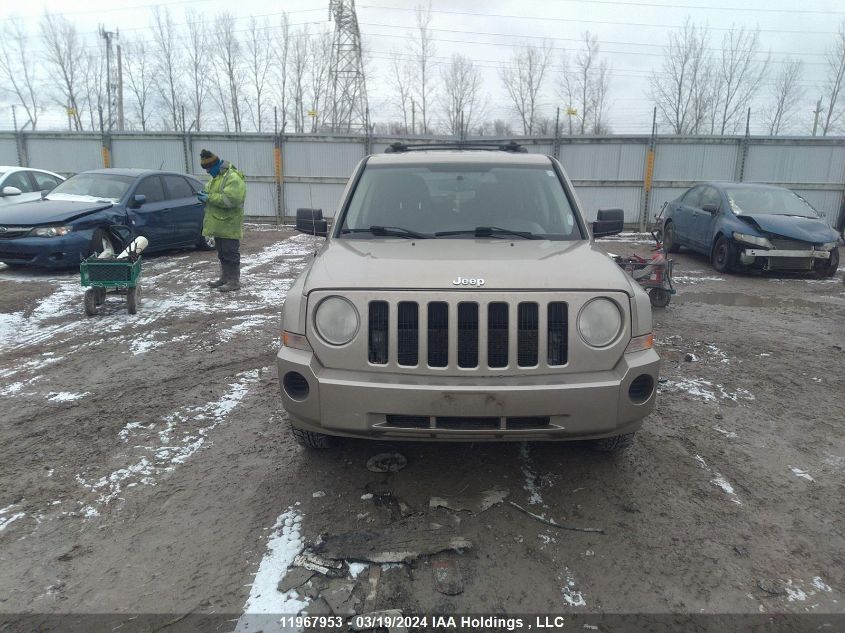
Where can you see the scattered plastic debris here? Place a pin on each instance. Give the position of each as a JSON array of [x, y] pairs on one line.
[[447, 576], [318, 494], [387, 463], [485, 501], [324, 566], [553, 523], [798, 472]]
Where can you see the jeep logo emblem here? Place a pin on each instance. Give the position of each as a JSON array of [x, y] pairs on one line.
[[463, 281]]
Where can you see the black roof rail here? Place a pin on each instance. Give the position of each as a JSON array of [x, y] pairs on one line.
[[492, 146]]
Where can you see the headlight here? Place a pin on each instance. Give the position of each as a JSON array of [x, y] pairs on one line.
[[600, 322], [52, 231], [827, 247], [752, 239], [336, 320]]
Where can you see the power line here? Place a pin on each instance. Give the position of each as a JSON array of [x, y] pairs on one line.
[[707, 7], [582, 20]]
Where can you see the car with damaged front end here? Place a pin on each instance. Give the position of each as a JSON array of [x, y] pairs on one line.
[[460, 295], [751, 226]]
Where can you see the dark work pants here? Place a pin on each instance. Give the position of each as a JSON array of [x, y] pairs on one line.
[[229, 254]]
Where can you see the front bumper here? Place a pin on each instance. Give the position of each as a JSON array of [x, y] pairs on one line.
[[366, 404], [65, 251], [782, 259]]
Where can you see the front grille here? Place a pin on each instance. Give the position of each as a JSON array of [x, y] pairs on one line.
[[783, 244], [513, 334]]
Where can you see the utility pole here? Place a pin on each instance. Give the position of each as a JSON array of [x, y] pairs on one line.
[[119, 86], [413, 117], [817, 112], [107, 36]]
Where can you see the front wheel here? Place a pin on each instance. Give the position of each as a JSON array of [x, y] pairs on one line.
[[206, 243], [827, 267], [724, 255], [670, 243], [312, 440], [101, 244], [659, 297], [613, 444]]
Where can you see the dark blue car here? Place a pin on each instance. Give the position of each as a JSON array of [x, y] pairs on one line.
[[749, 226], [71, 222]]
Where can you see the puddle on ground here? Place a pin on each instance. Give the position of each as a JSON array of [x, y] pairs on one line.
[[742, 300]]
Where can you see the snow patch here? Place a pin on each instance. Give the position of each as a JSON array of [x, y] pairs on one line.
[[66, 396], [719, 480], [803, 474], [6, 521], [821, 585], [284, 543], [528, 470], [355, 569], [571, 595]]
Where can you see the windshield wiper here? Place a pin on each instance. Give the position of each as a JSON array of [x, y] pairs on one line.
[[389, 231], [490, 231]]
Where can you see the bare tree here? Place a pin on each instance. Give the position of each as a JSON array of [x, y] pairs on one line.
[[585, 86], [461, 99], [259, 52], [64, 53], [523, 79], [680, 90], [17, 68], [402, 78], [785, 95], [423, 51], [833, 85], [740, 75], [299, 60], [320, 58], [230, 63], [168, 66], [199, 68], [94, 97], [139, 79]]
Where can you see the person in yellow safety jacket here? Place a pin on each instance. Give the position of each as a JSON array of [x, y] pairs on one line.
[[224, 197]]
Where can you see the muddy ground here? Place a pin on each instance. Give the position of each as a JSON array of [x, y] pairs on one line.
[[146, 465]]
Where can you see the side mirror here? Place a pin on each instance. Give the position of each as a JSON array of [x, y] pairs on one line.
[[11, 191], [311, 221], [138, 200], [710, 208], [609, 222]]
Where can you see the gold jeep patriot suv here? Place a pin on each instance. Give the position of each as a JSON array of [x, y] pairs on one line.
[[460, 296]]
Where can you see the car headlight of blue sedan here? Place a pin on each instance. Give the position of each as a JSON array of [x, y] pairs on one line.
[[753, 240], [51, 231]]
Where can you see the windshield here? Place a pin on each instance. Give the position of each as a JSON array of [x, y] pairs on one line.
[[455, 200], [94, 186], [768, 201]]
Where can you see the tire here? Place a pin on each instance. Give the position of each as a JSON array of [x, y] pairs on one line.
[[205, 243], [670, 245], [133, 299], [100, 295], [312, 440], [659, 297], [90, 302], [613, 444], [827, 267], [101, 243], [724, 255]]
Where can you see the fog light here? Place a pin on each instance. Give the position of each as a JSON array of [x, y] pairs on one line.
[[641, 389], [295, 385]]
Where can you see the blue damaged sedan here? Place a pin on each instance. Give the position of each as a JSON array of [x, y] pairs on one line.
[[743, 226], [71, 222]]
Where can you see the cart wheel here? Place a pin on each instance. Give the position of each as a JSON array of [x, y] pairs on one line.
[[659, 297], [90, 302], [133, 299], [100, 295]]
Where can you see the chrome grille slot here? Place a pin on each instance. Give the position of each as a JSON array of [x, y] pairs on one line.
[[408, 333], [438, 334], [558, 331], [377, 330], [528, 331], [497, 335], [467, 335]]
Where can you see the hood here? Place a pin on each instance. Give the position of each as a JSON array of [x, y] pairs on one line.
[[793, 227], [434, 263], [47, 211]]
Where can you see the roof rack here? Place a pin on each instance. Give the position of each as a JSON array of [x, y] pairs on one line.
[[492, 146]]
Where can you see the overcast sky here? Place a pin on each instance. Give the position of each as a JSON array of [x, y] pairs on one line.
[[632, 35]]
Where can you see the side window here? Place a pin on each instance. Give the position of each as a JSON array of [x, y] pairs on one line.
[[151, 187], [44, 181], [710, 196], [19, 180], [177, 187], [692, 197]]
